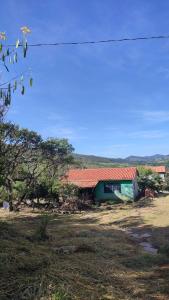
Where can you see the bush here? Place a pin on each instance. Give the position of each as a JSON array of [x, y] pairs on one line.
[[67, 191], [41, 232], [164, 249], [153, 182]]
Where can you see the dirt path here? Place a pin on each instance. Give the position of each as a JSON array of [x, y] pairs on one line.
[[143, 240], [148, 225]]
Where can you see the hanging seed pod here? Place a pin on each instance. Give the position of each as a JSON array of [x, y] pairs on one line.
[[7, 52], [31, 82], [17, 43], [15, 85], [15, 57], [3, 57], [7, 100], [9, 88], [23, 90], [24, 52]]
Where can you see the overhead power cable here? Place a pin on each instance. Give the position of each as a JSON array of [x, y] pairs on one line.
[[97, 41]]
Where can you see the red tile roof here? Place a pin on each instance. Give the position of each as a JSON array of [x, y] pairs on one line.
[[157, 169], [85, 178]]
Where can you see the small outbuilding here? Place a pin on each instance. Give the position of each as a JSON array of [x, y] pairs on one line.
[[106, 183], [160, 170]]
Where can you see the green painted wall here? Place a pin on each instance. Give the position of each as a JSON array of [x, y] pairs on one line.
[[127, 188]]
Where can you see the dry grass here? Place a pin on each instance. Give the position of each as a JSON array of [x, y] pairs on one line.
[[108, 265]]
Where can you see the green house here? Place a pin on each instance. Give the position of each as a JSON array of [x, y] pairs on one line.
[[104, 184]]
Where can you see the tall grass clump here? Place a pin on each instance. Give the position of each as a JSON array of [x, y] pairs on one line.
[[41, 231], [60, 295]]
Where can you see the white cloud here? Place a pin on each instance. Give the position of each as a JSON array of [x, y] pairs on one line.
[[156, 116], [54, 117], [115, 150], [149, 134], [164, 71], [118, 146], [64, 132]]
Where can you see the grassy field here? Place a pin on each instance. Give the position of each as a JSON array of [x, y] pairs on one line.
[[88, 256]]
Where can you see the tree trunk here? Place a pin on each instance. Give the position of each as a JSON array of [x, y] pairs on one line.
[[10, 195], [22, 198], [11, 208]]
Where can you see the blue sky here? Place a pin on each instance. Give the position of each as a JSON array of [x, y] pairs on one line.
[[109, 100]]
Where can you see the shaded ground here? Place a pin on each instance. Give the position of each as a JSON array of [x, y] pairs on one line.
[[109, 265]]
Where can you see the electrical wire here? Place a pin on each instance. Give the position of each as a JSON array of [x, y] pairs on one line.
[[96, 42]]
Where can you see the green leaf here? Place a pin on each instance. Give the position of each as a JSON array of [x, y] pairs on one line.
[[7, 52], [25, 47], [9, 88], [15, 58], [31, 81], [3, 57], [7, 100], [0, 47], [24, 52], [17, 43], [15, 85], [23, 90]]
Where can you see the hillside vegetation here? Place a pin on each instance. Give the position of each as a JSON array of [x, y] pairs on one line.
[[98, 161]]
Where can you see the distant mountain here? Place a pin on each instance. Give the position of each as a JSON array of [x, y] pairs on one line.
[[95, 158], [152, 158], [92, 160]]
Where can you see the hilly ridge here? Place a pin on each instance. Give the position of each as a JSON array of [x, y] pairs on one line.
[[93, 160]]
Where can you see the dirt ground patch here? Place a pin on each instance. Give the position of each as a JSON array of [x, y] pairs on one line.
[[109, 265]]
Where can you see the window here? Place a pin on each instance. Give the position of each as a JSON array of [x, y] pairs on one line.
[[111, 187]]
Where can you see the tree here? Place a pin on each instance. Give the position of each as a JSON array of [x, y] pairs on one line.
[[15, 145], [9, 54], [144, 171], [28, 164], [152, 181]]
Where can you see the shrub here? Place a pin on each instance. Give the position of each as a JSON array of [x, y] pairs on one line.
[[68, 191], [164, 249], [153, 182], [41, 232]]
